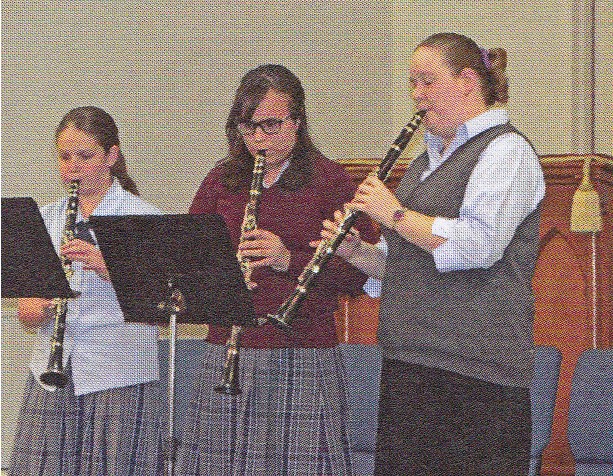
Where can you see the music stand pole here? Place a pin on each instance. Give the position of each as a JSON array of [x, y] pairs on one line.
[[175, 306]]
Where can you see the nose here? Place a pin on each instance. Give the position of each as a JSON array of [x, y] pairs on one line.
[[417, 93], [259, 135]]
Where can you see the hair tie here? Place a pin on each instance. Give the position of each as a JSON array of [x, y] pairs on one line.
[[485, 57]]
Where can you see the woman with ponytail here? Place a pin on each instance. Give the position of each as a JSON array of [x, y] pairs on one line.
[[454, 272], [106, 420]]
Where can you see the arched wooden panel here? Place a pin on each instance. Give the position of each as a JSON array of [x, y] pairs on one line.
[[562, 319]]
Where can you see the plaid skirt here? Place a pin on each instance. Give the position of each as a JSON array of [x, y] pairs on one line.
[[113, 432], [289, 420]]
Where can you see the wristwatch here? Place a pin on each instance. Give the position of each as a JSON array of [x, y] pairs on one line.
[[398, 215]]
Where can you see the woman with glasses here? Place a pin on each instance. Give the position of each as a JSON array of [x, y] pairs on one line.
[[291, 415]]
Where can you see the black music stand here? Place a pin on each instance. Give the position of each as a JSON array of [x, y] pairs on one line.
[[174, 268], [30, 265]]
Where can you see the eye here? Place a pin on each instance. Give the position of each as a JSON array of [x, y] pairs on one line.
[[421, 81], [271, 125], [246, 128], [272, 122], [86, 155]]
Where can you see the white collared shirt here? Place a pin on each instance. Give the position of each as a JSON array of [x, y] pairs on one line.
[[104, 351], [505, 186]]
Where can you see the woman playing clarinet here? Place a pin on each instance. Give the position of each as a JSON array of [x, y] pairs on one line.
[[291, 415], [101, 417], [456, 264]]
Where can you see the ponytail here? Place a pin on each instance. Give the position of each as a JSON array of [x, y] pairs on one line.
[[120, 172]]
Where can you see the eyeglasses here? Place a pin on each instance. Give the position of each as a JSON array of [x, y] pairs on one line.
[[269, 126]]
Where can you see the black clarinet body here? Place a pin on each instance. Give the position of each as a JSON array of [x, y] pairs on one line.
[[229, 384], [287, 310], [55, 375]]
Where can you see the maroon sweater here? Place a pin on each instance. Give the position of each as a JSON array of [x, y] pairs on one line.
[[296, 217]]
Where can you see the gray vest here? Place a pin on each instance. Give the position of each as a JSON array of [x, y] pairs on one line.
[[476, 322]]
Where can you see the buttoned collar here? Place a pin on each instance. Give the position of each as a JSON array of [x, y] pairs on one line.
[[469, 129]]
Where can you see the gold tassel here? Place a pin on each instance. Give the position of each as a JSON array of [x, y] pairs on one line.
[[585, 213]]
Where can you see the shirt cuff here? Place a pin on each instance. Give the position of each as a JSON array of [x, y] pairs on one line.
[[372, 287], [443, 226], [444, 255]]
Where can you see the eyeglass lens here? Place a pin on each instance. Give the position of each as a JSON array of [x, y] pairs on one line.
[[269, 126]]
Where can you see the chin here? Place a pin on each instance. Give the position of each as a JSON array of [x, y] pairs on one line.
[[437, 128]]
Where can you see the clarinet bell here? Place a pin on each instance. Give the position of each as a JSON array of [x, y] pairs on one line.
[[229, 382], [55, 375], [228, 388], [56, 379]]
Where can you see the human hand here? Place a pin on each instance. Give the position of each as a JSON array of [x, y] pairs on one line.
[[34, 312], [88, 254], [264, 248], [376, 200], [350, 244]]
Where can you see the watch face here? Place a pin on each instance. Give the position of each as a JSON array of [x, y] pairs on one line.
[[398, 214]]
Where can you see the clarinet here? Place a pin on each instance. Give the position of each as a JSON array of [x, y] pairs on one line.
[[229, 380], [55, 374], [285, 313]]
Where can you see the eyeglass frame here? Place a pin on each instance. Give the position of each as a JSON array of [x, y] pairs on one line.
[[253, 126]]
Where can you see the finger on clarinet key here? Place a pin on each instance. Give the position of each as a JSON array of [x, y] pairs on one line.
[[315, 243]]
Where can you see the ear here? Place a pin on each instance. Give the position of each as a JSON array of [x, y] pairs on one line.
[[112, 155], [470, 80]]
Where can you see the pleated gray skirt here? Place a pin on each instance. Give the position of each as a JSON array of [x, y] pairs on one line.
[[289, 420], [113, 432]]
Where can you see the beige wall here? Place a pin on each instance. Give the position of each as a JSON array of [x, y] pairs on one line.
[[544, 63], [604, 78], [167, 72]]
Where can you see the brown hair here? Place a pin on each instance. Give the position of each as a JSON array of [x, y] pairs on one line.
[[253, 87], [100, 125], [461, 52]]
